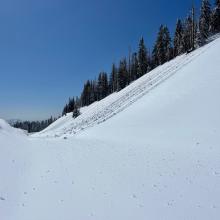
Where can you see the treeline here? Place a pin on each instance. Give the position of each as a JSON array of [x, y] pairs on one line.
[[190, 33], [34, 126]]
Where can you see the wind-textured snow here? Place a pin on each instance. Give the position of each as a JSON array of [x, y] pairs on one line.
[[150, 151]]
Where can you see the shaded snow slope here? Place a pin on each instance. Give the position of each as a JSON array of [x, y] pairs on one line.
[[158, 159], [103, 110]]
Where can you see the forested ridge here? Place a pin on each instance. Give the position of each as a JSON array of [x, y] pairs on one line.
[[190, 33]]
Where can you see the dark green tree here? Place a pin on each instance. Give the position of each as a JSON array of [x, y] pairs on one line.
[[134, 67], [204, 22], [167, 44], [178, 38], [113, 81], [142, 58], [103, 85], [86, 94], [65, 110], [122, 74], [215, 18], [187, 36], [76, 111], [162, 51]]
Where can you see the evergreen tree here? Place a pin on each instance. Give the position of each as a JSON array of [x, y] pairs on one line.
[[71, 105], [167, 44], [65, 110], [155, 60], [149, 58], [194, 28], [204, 21], [187, 36], [113, 82], [99, 87], [78, 102], [215, 18], [178, 38], [162, 51], [134, 67], [93, 95], [76, 111], [158, 51], [86, 94], [142, 58], [102, 85], [122, 74], [190, 32], [129, 67]]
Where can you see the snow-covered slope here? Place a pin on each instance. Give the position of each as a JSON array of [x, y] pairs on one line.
[[158, 158], [115, 103], [6, 129]]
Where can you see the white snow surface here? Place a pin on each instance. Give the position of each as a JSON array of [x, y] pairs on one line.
[[150, 151], [6, 129]]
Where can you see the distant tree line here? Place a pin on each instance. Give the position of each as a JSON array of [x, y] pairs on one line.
[[34, 126], [190, 33]]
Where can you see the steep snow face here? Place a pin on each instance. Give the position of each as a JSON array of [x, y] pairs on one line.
[[157, 158], [101, 111], [186, 107]]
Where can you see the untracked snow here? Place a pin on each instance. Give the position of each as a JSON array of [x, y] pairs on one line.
[[150, 151]]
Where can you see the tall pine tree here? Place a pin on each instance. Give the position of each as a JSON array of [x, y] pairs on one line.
[[162, 51], [167, 44], [142, 58], [122, 74], [113, 81], [134, 67], [178, 38], [215, 18], [76, 111], [86, 94], [204, 22], [187, 36], [103, 85]]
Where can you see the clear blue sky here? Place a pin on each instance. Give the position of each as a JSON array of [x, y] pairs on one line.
[[48, 48]]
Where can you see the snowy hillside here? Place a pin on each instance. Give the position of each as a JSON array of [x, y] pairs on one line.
[[150, 151], [117, 102], [6, 129]]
